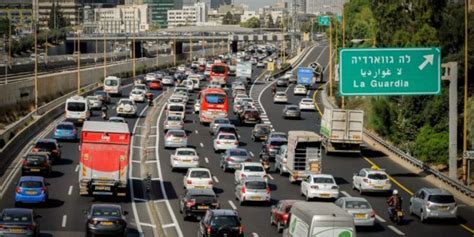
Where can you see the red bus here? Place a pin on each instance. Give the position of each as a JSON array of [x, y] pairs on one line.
[[214, 104], [219, 72]]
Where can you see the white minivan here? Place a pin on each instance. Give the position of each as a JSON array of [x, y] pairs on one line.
[[112, 85], [77, 109]]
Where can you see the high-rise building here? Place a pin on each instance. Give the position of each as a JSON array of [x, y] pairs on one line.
[[324, 6], [159, 10], [215, 4], [122, 19], [19, 12], [188, 16], [300, 6], [71, 10]]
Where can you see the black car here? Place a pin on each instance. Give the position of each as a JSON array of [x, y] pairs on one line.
[[103, 96], [260, 132], [106, 219], [249, 116], [48, 145], [221, 222], [196, 202], [19, 222], [36, 163]]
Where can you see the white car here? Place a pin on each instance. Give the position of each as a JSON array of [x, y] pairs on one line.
[[239, 97], [181, 68], [249, 170], [198, 178], [184, 158], [224, 141], [126, 107], [94, 102], [196, 79], [197, 106], [141, 87], [280, 97], [359, 208], [137, 96], [300, 90], [150, 77], [306, 104], [176, 100], [189, 84], [214, 84], [167, 80], [371, 180], [320, 186]]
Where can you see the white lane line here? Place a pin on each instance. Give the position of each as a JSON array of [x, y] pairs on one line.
[[397, 231], [139, 199], [270, 177], [267, 122], [136, 178], [63, 223], [251, 154], [196, 131], [136, 161], [202, 145], [168, 225], [77, 169], [69, 192], [380, 219], [150, 161], [137, 147], [147, 225], [232, 205], [206, 159], [215, 179], [155, 179], [160, 200], [254, 234], [345, 194]]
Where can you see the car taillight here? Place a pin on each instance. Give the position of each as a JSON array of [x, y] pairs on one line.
[[209, 229], [241, 229], [243, 190], [93, 222], [190, 203], [166, 122], [25, 162], [167, 135], [242, 175], [188, 181], [45, 163], [55, 151], [285, 217], [315, 186], [35, 149], [268, 190], [372, 214], [236, 143], [229, 159], [218, 142], [18, 190], [210, 182], [387, 181], [44, 189]]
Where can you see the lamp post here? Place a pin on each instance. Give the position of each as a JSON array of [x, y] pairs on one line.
[[466, 64]]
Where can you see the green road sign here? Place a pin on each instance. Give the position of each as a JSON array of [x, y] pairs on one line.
[[390, 71], [339, 18], [323, 20]]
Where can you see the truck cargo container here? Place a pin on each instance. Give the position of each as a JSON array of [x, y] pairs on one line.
[[342, 130], [303, 156]]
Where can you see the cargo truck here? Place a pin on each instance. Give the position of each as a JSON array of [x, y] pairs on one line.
[[303, 156], [104, 156], [305, 76], [342, 130], [244, 70]]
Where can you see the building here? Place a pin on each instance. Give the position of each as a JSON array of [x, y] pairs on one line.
[[122, 19], [237, 9], [188, 16], [300, 6], [471, 5], [159, 12], [71, 9], [201, 12], [19, 12], [318, 7], [247, 15], [215, 4]]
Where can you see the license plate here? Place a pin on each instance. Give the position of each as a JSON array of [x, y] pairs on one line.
[[175, 140], [187, 161], [360, 216], [255, 198], [324, 195], [106, 223], [35, 170], [203, 207], [102, 188], [199, 187], [31, 192], [378, 187], [443, 208], [16, 230]]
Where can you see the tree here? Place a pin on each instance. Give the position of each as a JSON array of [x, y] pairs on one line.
[[269, 21], [253, 22], [228, 19], [4, 24], [56, 18]]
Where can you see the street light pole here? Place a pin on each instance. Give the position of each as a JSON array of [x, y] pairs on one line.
[[466, 64], [133, 43], [330, 57], [78, 62], [105, 53], [343, 45], [36, 64]]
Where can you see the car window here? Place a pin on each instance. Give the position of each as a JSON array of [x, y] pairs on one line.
[[227, 137], [256, 185], [278, 143], [177, 108], [174, 118], [377, 176], [186, 153], [106, 211], [238, 153], [252, 168], [46, 145], [200, 174], [225, 221], [65, 126], [357, 205], [16, 217], [441, 198], [323, 180], [32, 159], [31, 184], [177, 133]]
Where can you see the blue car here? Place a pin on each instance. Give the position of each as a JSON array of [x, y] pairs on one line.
[[31, 189], [65, 131]]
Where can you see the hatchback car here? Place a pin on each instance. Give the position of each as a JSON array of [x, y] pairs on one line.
[[371, 180], [300, 90], [306, 104], [221, 222], [226, 128], [280, 97], [359, 208], [19, 222], [249, 170], [260, 132], [280, 212], [291, 111], [272, 145], [36, 163], [176, 138], [216, 122], [31, 189], [319, 186], [249, 116], [184, 158], [103, 96], [283, 81], [106, 219], [232, 158], [252, 190], [155, 85], [224, 141], [433, 203], [66, 131], [126, 107], [173, 122], [48, 145], [94, 102], [198, 178], [196, 202], [137, 96], [168, 80]]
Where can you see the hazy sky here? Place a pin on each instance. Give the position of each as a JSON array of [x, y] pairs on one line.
[[255, 4]]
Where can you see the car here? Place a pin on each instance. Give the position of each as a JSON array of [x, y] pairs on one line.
[[227, 128], [216, 122], [195, 64], [249, 116], [300, 90], [272, 145], [252, 190], [280, 97], [139, 81], [238, 105], [66, 131], [155, 85], [319, 186], [196, 202], [183, 95], [116, 119], [198, 178], [260, 132], [142, 87], [103, 96], [180, 88], [176, 138], [433, 203], [181, 68], [137, 96], [291, 111], [19, 222], [196, 79], [359, 208], [279, 214], [261, 64], [106, 219], [48, 145], [176, 109], [189, 84], [167, 81], [238, 89], [176, 100], [36, 163], [173, 121], [150, 76], [306, 104], [220, 222], [94, 102], [197, 106], [239, 97], [184, 158], [224, 141], [276, 135], [126, 107], [281, 160], [31, 189], [283, 81], [232, 158], [371, 180], [214, 84], [249, 170]]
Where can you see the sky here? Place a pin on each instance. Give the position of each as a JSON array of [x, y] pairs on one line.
[[256, 4]]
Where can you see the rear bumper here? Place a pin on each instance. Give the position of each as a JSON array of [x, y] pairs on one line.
[[30, 199], [364, 222], [436, 214], [323, 194]]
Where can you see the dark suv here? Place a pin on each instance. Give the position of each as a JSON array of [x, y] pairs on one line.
[[36, 163], [221, 222], [196, 202], [48, 145], [249, 116]]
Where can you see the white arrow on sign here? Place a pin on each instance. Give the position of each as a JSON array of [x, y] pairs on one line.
[[428, 59]]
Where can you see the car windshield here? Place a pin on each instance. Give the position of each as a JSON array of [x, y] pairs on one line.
[[215, 99], [263, 128], [177, 133], [238, 153], [35, 160], [137, 92], [46, 145], [256, 185], [76, 106], [218, 69], [357, 205], [177, 108], [307, 101], [278, 143], [225, 221], [100, 93], [280, 94], [65, 126], [186, 153], [200, 174], [174, 118], [111, 82], [126, 102], [31, 184], [377, 176], [292, 108], [221, 121], [16, 217], [252, 168], [323, 180], [106, 211], [226, 137], [441, 199]]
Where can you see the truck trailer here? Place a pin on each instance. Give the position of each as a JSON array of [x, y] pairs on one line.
[[342, 130], [303, 155]]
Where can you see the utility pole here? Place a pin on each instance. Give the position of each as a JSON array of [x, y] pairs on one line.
[[330, 57], [46, 48], [451, 75], [174, 50], [78, 61], [133, 43], [157, 54], [466, 64], [190, 50], [343, 44], [36, 64], [105, 53]]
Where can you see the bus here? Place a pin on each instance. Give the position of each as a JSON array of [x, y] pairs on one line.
[[214, 104], [219, 72]]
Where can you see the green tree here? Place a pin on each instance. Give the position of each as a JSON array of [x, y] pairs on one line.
[[4, 24], [228, 19], [56, 18], [253, 22], [431, 146]]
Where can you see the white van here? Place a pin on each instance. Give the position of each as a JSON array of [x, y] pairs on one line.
[[112, 85], [175, 108], [77, 109], [318, 219]]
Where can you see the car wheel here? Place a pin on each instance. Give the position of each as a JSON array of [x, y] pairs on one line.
[[307, 197], [224, 169], [252, 138]]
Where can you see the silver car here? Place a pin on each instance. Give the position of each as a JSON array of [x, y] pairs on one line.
[[232, 158], [433, 203], [176, 138], [173, 122], [291, 111], [359, 208], [216, 122], [253, 190]]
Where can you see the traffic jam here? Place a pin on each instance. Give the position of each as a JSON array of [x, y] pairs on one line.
[[221, 155]]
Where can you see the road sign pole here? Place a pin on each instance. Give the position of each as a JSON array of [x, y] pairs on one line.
[[330, 59], [451, 74]]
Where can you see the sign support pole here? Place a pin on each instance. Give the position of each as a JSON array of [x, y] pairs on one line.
[[330, 59]]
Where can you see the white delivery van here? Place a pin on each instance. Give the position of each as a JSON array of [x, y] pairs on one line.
[[77, 109], [113, 85]]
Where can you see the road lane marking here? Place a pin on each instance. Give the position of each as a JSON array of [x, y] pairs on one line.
[[63, 223], [380, 219], [397, 231], [69, 192], [139, 199], [254, 234], [147, 225], [202, 145], [77, 169], [150, 161], [196, 131], [251, 154], [168, 225], [267, 122], [232, 205], [269, 176], [345, 194], [206, 159], [215, 179], [467, 228]]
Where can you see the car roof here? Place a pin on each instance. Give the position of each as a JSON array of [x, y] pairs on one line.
[[322, 176], [223, 212], [194, 191], [252, 164], [185, 149], [354, 199], [225, 125], [66, 123], [106, 205], [291, 106], [374, 171], [31, 178], [436, 191], [18, 210], [100, 126], [225, 133], [237, 149], [199, 169]]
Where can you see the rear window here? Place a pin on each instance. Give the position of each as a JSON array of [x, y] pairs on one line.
[[221, 121], [441, 199], [227, 137], [177, 133], [215, 99], [35, 160], [292, 108], [280, 94], [46, 145], [106, 211], [227, 129], [65, 126], [76, 106], [238, 153], [253, 168], [357, 205], [16, 217], [251, 112], [200, 174], [377, 176], [218, 69], [111, 82], [31, 184], [174, 118], [225, 221], [177, 108], [256, 185], [278, 143], [186, 153], [323, 180]]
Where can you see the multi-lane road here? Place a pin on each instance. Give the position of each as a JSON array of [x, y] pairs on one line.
[[62, 216]]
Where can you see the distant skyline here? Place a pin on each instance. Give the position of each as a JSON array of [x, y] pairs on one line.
[[256, 4]]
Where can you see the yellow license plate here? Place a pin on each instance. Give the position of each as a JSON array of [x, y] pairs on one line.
[[324, 195], [186, 161], [378, 187], [199, 187], [16, 230], [106, 223], [360, 216], [443, 208], [31, 192], [203, 207], [256, 198], [35, 170]]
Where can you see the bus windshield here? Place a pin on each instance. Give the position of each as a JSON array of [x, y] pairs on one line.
[[215, 99], [218, 69], [76, 106]]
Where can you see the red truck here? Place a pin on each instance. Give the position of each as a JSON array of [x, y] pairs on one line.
[[104, 156]]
